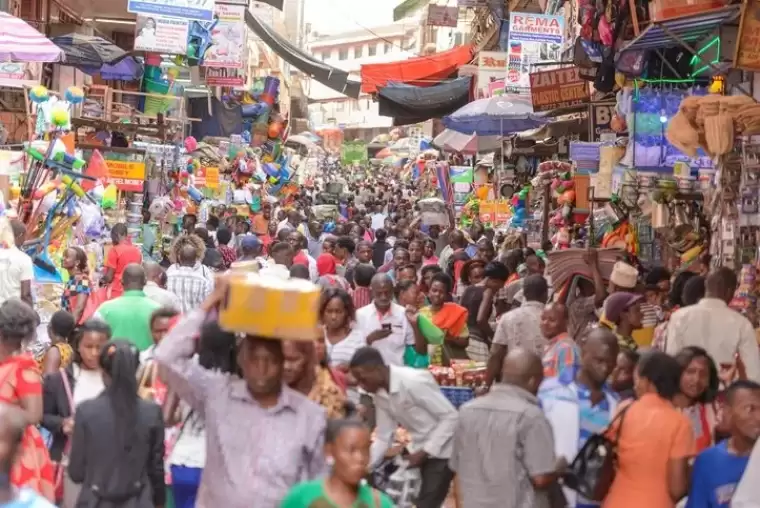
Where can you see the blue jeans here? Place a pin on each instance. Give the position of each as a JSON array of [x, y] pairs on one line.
[[185, 483]]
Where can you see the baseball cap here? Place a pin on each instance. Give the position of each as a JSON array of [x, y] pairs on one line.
[[617, 303], [250, 242]]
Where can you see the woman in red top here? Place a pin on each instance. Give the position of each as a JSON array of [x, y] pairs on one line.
[[121, 254], [21, 386]]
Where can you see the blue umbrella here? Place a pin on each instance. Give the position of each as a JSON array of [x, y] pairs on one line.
[[495, 116], [126, 69]]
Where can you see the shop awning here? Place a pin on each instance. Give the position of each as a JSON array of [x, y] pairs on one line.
[[419, 71], [331, 77], [408, 104]]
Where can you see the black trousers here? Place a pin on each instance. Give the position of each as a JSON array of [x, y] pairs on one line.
[[436, 480]]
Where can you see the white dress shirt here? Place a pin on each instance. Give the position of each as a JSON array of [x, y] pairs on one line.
[[414, 401], [369, 319], [719, 330], [162, 296]]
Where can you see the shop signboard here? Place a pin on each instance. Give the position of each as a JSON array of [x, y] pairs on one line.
[[159, 34], [354, 151], [557, 88], [441, 15], [20, 74], [126, 176], [222, 76], [747, 55], [492, 71], [495, 212], [600, 115], [533, 38], [199, 10], [228, 38]]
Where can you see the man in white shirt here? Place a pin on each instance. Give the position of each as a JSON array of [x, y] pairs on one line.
[[384, 323], [155, 287], [712, 325], [378, 218], [412, 399], [16, 268]]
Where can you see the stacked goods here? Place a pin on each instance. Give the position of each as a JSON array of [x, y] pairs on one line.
[[465, 374], [711, 122], [269, 307]]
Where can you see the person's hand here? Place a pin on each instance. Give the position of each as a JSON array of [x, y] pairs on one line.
[[727, 373], [417, 459], [411, 314], [67, 427], [561, 465], [378, 334], [218, 295], [591, 256]]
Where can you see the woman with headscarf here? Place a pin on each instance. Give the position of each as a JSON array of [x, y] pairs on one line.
[[304, 373]]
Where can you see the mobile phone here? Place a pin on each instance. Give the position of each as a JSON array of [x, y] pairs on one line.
[[387, 326]]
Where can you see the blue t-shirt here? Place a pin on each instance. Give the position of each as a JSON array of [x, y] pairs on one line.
[[714, 477], [592, 420]]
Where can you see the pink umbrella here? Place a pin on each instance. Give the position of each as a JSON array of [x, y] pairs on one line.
[[19, 42]]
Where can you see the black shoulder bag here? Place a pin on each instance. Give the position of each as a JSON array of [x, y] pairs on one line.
[[593, 469]]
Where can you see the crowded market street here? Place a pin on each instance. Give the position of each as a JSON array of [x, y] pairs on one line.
[[323, 254]]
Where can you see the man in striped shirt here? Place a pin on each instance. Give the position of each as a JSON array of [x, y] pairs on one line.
[[363, 274]]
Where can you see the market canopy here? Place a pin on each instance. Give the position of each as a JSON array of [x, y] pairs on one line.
[[19, 42], [331, 77], [408, 104], [420, 71]]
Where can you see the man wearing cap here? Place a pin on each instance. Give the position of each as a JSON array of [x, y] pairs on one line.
[[622, 311]]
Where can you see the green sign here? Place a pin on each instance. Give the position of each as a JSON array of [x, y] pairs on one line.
[[354, 151]]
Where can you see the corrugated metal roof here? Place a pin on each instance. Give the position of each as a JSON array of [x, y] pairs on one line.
[[688, 29]]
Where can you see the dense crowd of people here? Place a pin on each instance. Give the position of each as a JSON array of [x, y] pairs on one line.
[[143, 400]]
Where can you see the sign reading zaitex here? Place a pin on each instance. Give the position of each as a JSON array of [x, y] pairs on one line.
[[557, 88]]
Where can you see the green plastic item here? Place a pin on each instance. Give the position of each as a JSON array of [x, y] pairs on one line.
[[433, 334]]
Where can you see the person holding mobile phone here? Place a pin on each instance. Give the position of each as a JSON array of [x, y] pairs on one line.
[[386, 325]]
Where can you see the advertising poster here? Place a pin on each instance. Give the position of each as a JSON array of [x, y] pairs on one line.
[[557, 88], [156, 34], [533, 38], [199, 10], [441, 15], [600, 116], [747, 55], [461, 178], [208, 177], [229, 38], [492, 71]]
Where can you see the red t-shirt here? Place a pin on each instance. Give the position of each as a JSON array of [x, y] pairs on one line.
[[118, 258], [301, 259]]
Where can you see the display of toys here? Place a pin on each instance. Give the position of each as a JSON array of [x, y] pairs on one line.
[[39, 94]]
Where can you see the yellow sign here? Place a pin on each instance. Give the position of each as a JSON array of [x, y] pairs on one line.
[[207, 177], [126, 176], [747, 56]]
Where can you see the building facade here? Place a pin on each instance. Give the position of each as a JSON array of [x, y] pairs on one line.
[[359, 118]]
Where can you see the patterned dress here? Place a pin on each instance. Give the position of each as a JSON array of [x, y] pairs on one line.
[[19, 379], [76, 285], [327, 393]]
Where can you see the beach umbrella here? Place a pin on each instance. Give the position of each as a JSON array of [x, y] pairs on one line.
[[19, 42], [495, 116], [453, 141]]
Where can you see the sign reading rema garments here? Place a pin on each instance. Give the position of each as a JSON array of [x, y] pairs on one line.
[[533, 39], [536, 27], [557, 88]]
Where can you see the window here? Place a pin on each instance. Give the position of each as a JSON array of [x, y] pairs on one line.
[[339, 106], [343, 54], [358, 51], [388, 47], [325, 55], [458, 39], [371, 50]]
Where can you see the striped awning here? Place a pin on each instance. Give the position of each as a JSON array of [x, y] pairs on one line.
[[20, 43]]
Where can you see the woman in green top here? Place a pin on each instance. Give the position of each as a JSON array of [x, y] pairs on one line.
[[347, 443]]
